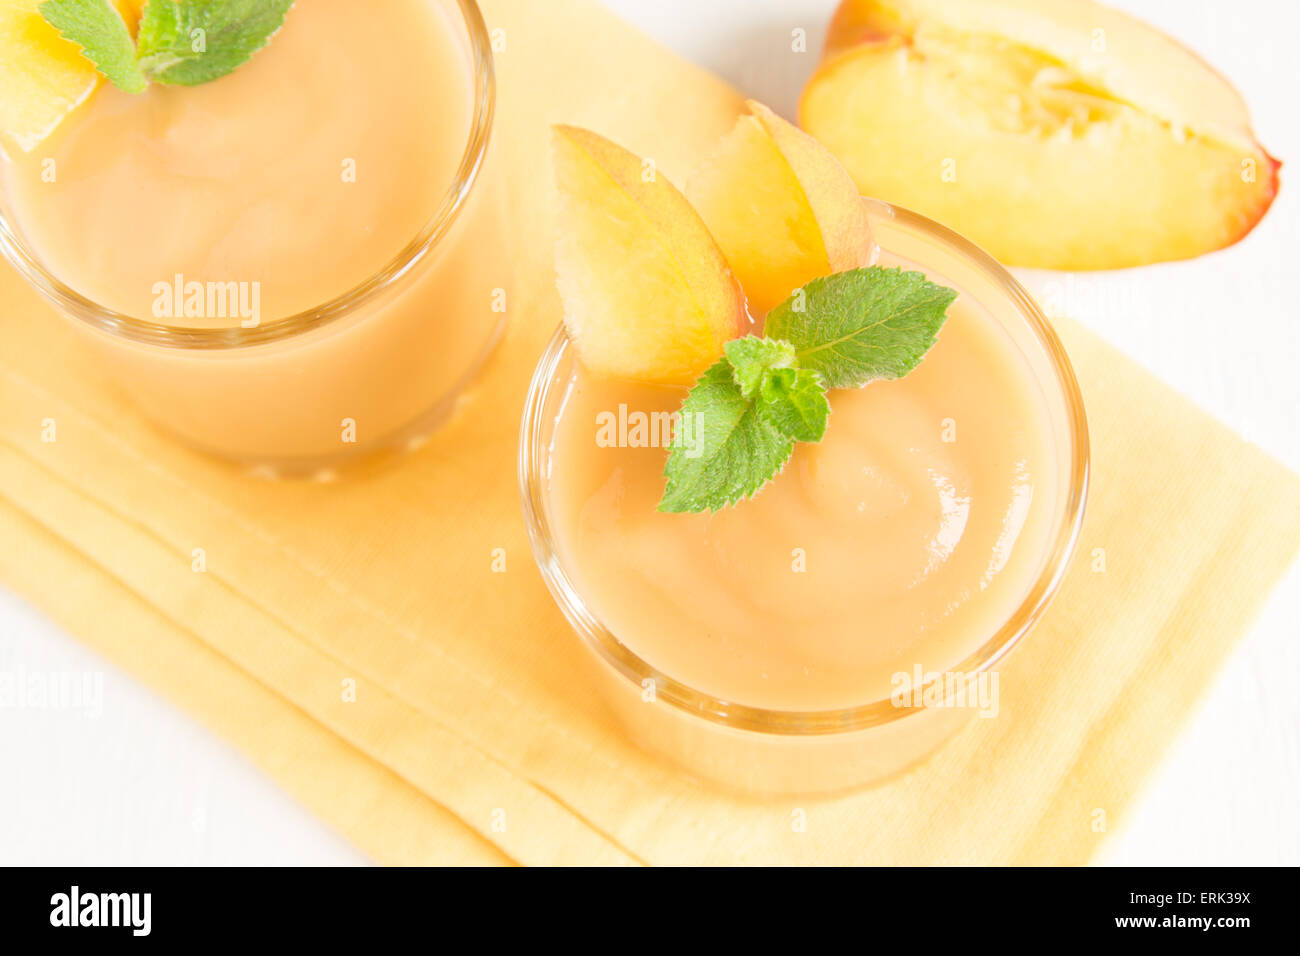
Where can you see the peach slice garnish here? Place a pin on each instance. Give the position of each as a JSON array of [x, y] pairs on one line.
[[648, 295], [782, 207], [43, 77], [1055, 133]]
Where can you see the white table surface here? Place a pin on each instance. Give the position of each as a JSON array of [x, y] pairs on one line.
[[141, 783]]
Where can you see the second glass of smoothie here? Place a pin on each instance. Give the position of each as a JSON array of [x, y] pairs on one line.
[[297, 264]]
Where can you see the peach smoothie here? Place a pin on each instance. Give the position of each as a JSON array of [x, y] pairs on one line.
[[905, 538], [286, 266], [794, 554]]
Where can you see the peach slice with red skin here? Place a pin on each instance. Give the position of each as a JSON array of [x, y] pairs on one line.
[[781, 206], [648, 295], [1055, 133]]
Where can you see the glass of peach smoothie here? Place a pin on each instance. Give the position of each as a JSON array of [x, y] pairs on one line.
[[297, 264], [839, 625]]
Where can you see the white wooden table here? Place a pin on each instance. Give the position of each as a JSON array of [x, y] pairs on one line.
[[142, 783]]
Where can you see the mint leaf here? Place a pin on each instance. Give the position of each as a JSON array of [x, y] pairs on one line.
[[183, 42], [100, 31], [794, 402], [866, 324], [724, 450], [751, 356], [187, 42], [741, 420]]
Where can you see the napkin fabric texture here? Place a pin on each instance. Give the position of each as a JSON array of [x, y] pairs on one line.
[[472, 738]]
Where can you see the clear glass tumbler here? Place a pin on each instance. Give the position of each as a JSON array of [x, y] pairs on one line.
[[377, 367], [756, 750]]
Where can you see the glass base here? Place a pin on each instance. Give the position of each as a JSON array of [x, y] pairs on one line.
[[353, 458]]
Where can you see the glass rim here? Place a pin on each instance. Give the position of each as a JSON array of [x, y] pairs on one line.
[[453, 201], [533, 456]]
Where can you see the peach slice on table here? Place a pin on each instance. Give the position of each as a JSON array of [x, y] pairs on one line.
[[782, 207], [1055, 133], [43, 77], [648, 295]]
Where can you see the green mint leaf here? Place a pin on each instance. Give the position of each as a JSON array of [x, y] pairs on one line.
[[187, 42], [100, 31], [723, 450], [859, 326], [741, 420], [751, 357], [794, 402]]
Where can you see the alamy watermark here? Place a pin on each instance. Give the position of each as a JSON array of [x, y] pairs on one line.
[[53, 690], [922, 688], [189, 299], [75, 908], [626, 428]]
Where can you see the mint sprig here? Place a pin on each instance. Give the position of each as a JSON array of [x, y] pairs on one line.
[[740, 422], [180, 42]]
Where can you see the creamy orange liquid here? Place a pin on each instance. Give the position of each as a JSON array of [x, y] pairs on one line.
[[288, 182], [305, 170], [907, 537]]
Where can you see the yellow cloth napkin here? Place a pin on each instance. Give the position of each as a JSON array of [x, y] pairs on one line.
[[472, 739]]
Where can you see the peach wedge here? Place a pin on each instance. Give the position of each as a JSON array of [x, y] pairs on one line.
[[648, 295], [781, 206], [43, 77], [1055, 133]]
